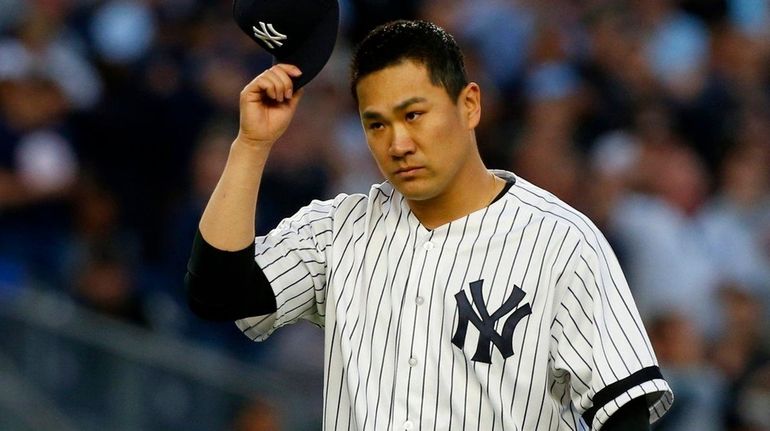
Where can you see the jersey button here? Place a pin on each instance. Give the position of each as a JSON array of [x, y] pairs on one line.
[[412, 362], [428, 246], [419, 300], [408, 425]]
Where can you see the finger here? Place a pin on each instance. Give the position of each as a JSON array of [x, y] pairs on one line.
[[294, 101], [290, 69], [283, 76], [268, 85], [260, 86], [282, 83]]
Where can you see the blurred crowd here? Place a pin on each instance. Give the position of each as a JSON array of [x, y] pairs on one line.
[[650, 116]]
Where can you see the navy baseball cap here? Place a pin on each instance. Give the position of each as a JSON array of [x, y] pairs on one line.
[[298, 32]]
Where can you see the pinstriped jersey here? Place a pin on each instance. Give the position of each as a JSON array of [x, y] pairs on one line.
[[514, 317]]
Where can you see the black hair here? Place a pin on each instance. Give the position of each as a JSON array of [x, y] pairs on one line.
[[419, 41]]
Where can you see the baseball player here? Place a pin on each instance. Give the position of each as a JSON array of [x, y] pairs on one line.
[[451, 296]]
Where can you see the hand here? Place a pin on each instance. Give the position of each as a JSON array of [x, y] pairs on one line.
[[267, 106]]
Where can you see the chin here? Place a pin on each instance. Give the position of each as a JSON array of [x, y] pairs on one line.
[[415, 190]]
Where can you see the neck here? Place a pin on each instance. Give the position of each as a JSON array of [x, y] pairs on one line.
[[469, 191]]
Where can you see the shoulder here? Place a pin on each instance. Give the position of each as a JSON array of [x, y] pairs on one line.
[[378, 193], [543, 204], [345, 204]]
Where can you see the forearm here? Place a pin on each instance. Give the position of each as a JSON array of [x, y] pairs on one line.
[[228, 220]]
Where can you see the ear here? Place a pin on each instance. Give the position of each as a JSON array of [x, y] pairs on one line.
[[469, 103]]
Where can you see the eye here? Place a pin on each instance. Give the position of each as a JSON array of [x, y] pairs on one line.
[[376, 126], [413, 115]]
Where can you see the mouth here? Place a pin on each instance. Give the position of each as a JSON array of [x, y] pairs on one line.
[[408, 171]]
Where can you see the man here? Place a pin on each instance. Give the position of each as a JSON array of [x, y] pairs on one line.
[[396, 277]]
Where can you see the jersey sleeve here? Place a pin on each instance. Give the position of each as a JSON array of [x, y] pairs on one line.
[[293, 257], [602, 356]]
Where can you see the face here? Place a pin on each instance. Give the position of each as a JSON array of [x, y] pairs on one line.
[[421, 139]]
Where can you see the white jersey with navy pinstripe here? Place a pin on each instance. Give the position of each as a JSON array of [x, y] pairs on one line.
[[514, 317]]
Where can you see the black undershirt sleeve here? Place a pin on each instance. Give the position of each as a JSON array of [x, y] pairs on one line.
[[638, 412], [226, 285], [632, 416]]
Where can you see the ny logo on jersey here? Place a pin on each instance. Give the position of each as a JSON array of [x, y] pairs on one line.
[[268, 34], [485, 322]]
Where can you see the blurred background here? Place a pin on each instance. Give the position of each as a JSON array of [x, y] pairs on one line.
[[650, 116]]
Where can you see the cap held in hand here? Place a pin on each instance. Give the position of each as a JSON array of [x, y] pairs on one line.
[[297, 32]]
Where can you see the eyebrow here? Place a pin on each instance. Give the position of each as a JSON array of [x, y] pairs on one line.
[[370, 115], [403, 105]]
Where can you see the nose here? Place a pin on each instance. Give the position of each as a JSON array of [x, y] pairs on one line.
[[402, 143]]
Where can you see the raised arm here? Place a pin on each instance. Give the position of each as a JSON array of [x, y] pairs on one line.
[[223, 281], [267, 106]]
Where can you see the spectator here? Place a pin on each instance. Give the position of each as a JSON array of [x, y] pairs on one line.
[[744, 357], [257, 415], [698, 385], [38, 165], [105, 283]]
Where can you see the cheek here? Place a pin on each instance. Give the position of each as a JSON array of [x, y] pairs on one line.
[[446, 120], [378, 150], [447, 140]]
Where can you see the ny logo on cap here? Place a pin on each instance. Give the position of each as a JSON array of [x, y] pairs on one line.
[[269, 35], [485, 322]]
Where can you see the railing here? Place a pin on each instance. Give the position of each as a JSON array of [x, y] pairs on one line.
[[65, 368]]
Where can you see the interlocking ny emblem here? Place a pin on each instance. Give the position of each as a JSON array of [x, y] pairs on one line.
[[269, 35], [486, 323]]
